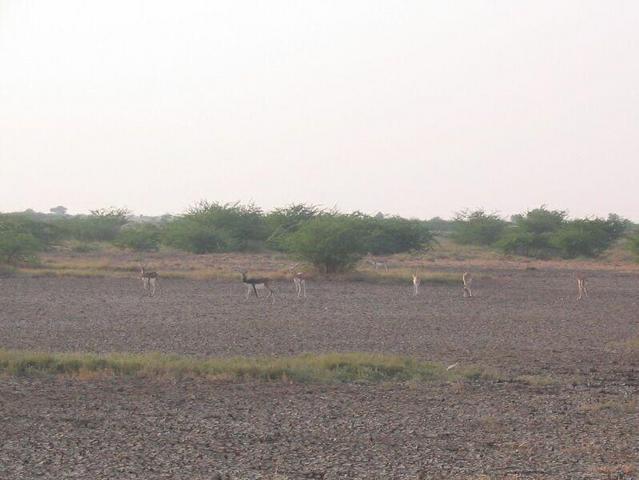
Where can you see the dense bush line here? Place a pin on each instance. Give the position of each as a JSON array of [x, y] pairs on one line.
[[540, 233], [330, 240]]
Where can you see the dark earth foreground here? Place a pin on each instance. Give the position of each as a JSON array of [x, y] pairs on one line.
[[576, 417], [119, 428]]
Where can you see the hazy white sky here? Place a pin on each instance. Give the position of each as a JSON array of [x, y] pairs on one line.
[[420, 108]]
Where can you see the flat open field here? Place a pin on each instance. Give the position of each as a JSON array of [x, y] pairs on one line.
[[518, 321], [563, 403]]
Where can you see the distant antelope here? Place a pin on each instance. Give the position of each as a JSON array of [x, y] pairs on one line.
[[377, 263], [299, 280], [581, 286], [467, 280], [416, 282], [149, 280], [252, 284]]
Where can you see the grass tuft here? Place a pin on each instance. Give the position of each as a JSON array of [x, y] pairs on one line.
[[632, 344], [307, 368], [538, 380], [617, 406]]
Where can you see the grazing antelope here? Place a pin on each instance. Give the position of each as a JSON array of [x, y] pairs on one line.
[[377, 263], [416, 282], [467, 280], [581, 286], [149, 280], [252, 284]]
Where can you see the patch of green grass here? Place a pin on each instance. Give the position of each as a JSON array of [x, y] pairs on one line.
[[53, 272], [632, 344], [616, 406], [538, 380], [78, 246], [307, 368]]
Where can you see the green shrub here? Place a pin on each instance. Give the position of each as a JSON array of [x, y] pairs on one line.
[[214, 227], [518, 242], [633, 244], [616, 226], [544, 233], [531, 234], [48, 234], [388, 235], [332, 243], [583, 237], [242, 225], [478, 228], [192, 236], [16, 247], [22, 238], [100, 226], [140, 237], [282, 222], [540, 221], [439, 226]]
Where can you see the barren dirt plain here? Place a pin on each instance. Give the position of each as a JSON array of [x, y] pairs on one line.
[[562, 403]]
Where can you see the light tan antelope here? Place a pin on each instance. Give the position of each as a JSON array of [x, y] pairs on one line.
[[149, 280], [467, 280], [581, 286], [416, 282], [299, 280], [253, 284]]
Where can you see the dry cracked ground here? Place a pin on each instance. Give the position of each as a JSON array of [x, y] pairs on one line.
[[563, 404]]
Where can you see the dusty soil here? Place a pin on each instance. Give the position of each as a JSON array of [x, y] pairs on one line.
[[61, 428], [520, 323]]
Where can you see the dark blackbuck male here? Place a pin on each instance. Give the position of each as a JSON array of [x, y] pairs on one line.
[[255, 283]]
